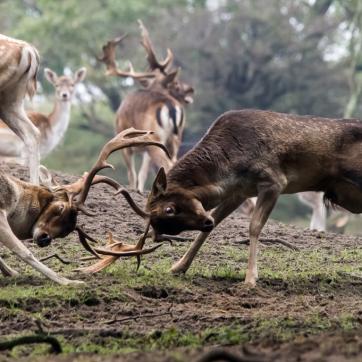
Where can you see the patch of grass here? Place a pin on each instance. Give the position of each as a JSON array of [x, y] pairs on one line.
[[268, 331]]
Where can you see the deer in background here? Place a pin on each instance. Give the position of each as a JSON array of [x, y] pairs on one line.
[[318, 222], [251, 153], [52, 127], [19, 64], [159, 107]]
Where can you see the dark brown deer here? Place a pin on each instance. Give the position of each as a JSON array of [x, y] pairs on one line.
[[50, 211], [158, 107], [250, 153]]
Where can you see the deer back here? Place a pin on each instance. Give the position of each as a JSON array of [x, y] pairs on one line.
[[18, 61], [151, 110]]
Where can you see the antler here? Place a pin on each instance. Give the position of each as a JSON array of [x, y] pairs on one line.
[[128, 138], [117, 249], [109, 55], [151, 56]]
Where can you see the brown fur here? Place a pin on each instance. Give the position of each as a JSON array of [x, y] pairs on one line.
[[252, 153]]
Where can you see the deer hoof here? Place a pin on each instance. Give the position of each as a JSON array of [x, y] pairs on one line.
[[72, 282], [178, 268]]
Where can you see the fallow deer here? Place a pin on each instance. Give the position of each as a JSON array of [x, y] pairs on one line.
[[50, 211], [52, 127], [250, 153], [19, 64], [158, 107]]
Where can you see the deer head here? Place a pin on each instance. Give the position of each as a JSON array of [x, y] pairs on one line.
[[64, 85], [160, 74], [166, 76], [172, 211], [62, 203]]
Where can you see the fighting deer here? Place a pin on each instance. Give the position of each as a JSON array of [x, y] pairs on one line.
[[50, 211], [19, 64], [52, 127], [158, 107], [250, 153]]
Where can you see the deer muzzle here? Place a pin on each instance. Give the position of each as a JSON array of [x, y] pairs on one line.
[[42, 238]]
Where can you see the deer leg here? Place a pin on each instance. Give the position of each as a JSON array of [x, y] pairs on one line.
[[8, 239], [6, 270], [319, 215], [128, 157], [219, 214], [143, 173], [17, 120], [267, 198]]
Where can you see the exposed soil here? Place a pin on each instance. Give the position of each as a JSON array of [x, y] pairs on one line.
[[202, 303]]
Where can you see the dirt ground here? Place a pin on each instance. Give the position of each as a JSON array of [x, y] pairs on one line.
[[307, 305]]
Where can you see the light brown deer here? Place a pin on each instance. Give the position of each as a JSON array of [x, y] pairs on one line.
[[50, 211], [19, 63], [250, 153], [158, 107], [52, 127]]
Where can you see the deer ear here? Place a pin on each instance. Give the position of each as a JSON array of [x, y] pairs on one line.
[[160, 184], [50, 75], [80, 75], [46, 178], [170, 77]]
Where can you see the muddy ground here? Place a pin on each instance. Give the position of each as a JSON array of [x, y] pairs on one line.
[[307, 305]]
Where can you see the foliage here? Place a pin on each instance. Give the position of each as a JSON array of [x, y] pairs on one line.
[[284, 55]]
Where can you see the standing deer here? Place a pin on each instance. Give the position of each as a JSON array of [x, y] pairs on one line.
[[158, 107], [19, 64], [250, 153], [52, 127], [50, 211]]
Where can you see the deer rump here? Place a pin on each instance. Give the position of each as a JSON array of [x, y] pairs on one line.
[[308, 153]]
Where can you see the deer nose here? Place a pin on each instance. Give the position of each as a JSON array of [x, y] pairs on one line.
[[64, 95], [43, 240], [208, 225]]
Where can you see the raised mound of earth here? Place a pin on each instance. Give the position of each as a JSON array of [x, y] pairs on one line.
[[307, 305]]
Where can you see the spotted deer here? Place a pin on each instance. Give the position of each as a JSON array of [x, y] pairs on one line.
[[254, 153], [50, 211], [19, 64], [159, 107], [52, 127]]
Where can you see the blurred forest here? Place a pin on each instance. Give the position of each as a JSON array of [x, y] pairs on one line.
[[301, 56]]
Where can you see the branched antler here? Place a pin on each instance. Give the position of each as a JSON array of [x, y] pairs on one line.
[[128, 138], [109, 59], [151, 56]]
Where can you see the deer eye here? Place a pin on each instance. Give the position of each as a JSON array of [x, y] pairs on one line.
[[169, 210]]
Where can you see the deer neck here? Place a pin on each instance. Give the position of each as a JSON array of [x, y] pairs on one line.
[[58, 124], [30, 202], [204, 174]]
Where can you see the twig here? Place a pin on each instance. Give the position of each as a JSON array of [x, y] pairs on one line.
[[55, 255], [37, 338], [169, 312], [272, 241], [112, 321]]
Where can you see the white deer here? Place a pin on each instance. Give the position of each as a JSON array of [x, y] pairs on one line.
[[52, 127]]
